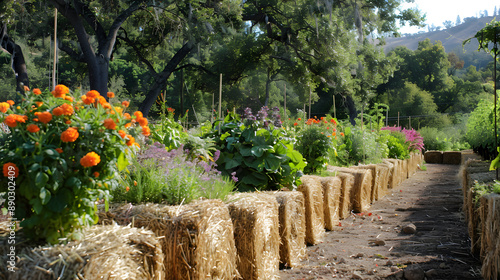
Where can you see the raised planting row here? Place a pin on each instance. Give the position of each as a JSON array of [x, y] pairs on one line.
[[482, 212], [249, 236]]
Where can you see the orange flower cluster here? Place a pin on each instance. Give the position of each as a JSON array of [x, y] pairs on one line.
[[4, 106], [110, 94], [44, 117], [37, 91], [64, 109], [60, 91], [6, 169], [90, 159], [110, 124], [12, 120], [33, 128], [69, 135]]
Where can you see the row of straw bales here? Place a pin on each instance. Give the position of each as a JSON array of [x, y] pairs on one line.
[[482, 214], [449, 157], [247, 237]]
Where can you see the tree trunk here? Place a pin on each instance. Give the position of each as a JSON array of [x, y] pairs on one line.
[[351, 107], [18, 62], [162, 77], [98, 74]]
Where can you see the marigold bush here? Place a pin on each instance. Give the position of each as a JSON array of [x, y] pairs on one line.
[[61, 156]]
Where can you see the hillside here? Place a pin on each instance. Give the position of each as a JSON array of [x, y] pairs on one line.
[[451, 39]]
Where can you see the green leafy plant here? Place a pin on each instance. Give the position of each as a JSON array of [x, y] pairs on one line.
[[167, 131], [257, 151], [61, 156], [314, 146]]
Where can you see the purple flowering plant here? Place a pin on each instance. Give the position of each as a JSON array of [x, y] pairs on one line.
[[172, 177]]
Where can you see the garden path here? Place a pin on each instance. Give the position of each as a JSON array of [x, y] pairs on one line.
[[373, 245]]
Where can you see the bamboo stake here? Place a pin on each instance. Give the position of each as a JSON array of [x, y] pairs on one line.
[[310, 92], [284, 113], [220, 99], [55, 51], [334, 108]]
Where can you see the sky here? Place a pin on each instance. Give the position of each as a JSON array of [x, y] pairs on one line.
[[439, 11]]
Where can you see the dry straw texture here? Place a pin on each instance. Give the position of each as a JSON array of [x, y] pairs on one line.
[[405, 166], [491, 262], [395, 177], [473, 209], [106, 252], [256, 233], [469, 167], [331, 201], [292, 227], [198, 238], [361, 191], [433, 157], [345, 205], [391, 175], [376, 179], [312, 188], [483, 218], [452, 157], [385, 172]]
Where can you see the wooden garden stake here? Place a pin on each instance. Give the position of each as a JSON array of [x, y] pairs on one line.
[[284, 110], [55, 51]]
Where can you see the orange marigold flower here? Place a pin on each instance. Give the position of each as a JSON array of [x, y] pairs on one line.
[[299, 119], [26, 88], [109, 123], [12, 120], [69, 98], [88, 100], [67, 109], [11, 102], [4, 106], [59, 150], [7, 170], [135, 183], [37, 91], [342, 134], [101, 100], [127, 125], [110, 94], [295, 124], [93, 94], [142, 122], [131, 140], [90, 159], [125, 103], [35, 119], [334, 133], [138, 114], [122, 133], [60, 91], [39, 103], [96, 174], [127, 188], [106, 105], [33, 128], [69, 135], [44, 117], [57, 111], [127, 116], [67, 122], [146, 131]]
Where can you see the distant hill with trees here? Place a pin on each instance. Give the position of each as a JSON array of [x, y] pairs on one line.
[[451, 39]]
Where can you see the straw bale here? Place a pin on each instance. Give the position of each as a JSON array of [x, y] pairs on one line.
[[345, 206], [404, 170], [391, 176], [491, 262], [105, 252], [256, 233], [452, 157], [312, 188], [469, 154], [331, 201], [378, 172], [473, 210], [396, 172], [292, 227], [470, 167], [433, 157], [198, 238], [483, 217], [384, 180], [361, 191]]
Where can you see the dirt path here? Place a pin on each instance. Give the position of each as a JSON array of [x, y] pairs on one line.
[[372, 245]]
